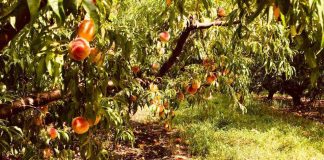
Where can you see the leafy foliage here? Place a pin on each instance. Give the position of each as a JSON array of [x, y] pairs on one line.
[[127, 37], [8, 135]]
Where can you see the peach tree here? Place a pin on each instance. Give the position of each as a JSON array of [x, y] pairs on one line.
[[73, 71]]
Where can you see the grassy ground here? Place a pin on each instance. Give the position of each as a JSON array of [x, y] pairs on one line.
[[219, 132]]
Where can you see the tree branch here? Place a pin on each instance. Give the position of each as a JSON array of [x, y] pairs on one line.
[[175, 53], [207, 25], [182, 40], [11, 108]]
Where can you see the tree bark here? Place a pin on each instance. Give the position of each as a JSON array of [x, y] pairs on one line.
[[175, 53], [182, 40], [11, 108], [296, 100], [270, 94]]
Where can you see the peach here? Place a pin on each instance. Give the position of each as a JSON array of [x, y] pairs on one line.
[[195, 84], [210, 78], [52, 132], [167, 126], [155, 67], [191, 90], [133, 98], [80, 125], [161, 108], [221, 12], [95, 55], [180, 96], [79, 49], [168, 2], [276, 12], [136, 69], [96, 121], [47, 153], [164, 36], [86, 29]]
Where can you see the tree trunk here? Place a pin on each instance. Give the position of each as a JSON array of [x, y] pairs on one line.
[[296, 100], [270, 94]]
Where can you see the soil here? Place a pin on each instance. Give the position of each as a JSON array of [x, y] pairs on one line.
[[153, 142]]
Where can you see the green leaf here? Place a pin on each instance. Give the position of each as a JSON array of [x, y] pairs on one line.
[[12, 21], [55, 7], [48, 61], [18, 130], [260, 7], [293, 30], [89, 151], [65, 136], [9, 10], [311, 59], [314, 76], [284, 6], [33, 6], [72, 5], [207, 4], [4, 144], [270, 14], [283, 20], [322, 44], [320, 9], [40, 69]]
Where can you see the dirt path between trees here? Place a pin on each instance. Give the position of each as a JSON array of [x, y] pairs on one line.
[[153, 142]]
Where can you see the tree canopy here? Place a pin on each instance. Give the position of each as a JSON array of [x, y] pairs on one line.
[[107, 58]]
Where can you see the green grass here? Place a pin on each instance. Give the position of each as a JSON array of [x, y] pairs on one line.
[[220, 132]]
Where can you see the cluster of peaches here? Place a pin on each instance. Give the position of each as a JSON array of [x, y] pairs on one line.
[[195, 84], [79, 48], [80, 125]]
